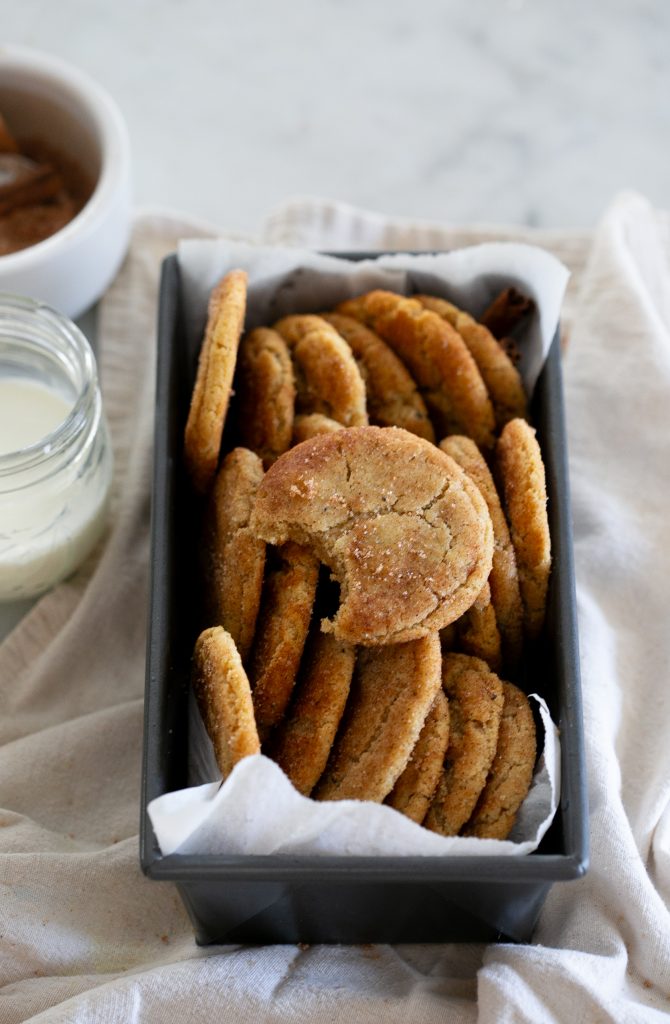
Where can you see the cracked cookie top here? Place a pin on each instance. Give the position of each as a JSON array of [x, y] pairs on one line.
[[404, 531]]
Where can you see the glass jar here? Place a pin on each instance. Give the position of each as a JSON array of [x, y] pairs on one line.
[[54, 488]]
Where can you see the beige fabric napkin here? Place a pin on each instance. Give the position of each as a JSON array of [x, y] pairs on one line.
[[85, 938]]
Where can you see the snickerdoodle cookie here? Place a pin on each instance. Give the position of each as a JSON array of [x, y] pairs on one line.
[[283, 623], [499, 373], [511, 772], [415, 788], [264, 394], [519, 463], [391, 695], [438, 359], [475, 708], [304, 739], [327, 377], [504, 578], [478, 632], [216, 368], [310, 425], [392, 396], [222, 690], [233, 557], [405, 532]]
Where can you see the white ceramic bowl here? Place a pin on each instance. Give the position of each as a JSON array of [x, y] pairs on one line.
[[59, 105]]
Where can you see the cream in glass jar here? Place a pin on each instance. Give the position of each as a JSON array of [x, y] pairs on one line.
[[55, 456]]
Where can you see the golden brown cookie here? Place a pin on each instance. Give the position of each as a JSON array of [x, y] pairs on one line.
[[475, 707], [392, 396], [521, 469], [233, 558], [392, 693], [438, 359], [304, 739], [511, 772], [283, 622], [506, 312], [415, 788], [327, 377], [504, 579], [315, 423], [222, 690], [216, 367], [499, 373], [478, 632], [404, 531], [264, 394]]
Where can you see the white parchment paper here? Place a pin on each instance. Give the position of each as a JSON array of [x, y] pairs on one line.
[[257, 810], [285, 280]]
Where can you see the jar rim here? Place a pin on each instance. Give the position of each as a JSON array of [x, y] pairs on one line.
[[69, 429]]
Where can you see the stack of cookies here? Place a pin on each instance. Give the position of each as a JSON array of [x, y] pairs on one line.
[[375, 552]]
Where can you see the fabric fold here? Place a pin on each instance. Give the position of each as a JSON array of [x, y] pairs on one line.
[[88, 939]]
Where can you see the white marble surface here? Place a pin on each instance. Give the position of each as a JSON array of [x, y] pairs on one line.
[[501, 111], [518, 111]]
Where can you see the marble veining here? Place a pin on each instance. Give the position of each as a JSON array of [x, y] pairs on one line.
[[501, 111]]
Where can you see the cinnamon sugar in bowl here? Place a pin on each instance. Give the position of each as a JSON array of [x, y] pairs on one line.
[[66, 250]]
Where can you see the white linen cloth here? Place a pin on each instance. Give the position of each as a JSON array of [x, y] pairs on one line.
[[85, 938]]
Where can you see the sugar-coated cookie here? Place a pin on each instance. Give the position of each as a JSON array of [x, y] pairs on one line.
[[511, 772], [216, 368], [504, 578], [521, 469], [403, 529], [415, 788], [475, 707], [438, 359], [391, 695], [264, 394], [233, 558], [478, 632], [392, 396], [327, 377], [303, 740], [283, 623], [309, 425], [499, 373], [222, 691]]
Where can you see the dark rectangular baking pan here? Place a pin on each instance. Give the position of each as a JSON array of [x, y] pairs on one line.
[[269, 899]]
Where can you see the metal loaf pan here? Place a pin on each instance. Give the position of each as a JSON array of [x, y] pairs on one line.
[[270, 899]]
